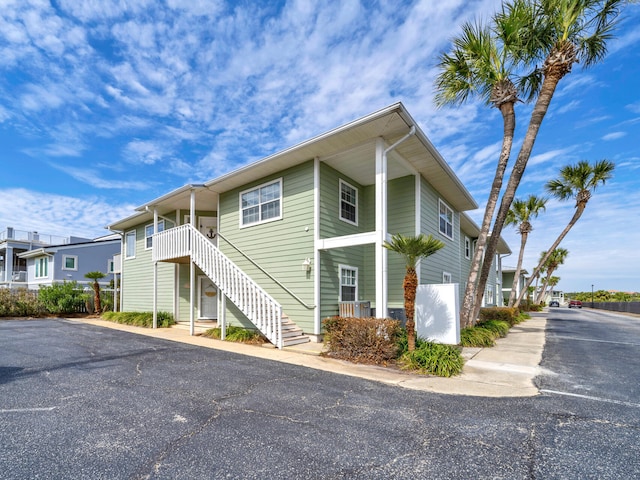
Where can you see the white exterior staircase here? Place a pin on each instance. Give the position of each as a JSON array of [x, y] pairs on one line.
[[258, 306]]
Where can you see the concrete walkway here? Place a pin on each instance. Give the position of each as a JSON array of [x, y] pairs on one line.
[[506, 370]]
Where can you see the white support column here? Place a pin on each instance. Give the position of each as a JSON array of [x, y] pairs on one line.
[[192, 267], [222, 316], [317, 325], [381, 230], [155, 273]]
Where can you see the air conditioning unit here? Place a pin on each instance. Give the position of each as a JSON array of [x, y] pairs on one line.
[[355, 309]]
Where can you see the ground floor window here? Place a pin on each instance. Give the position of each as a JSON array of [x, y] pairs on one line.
[[348, 283]]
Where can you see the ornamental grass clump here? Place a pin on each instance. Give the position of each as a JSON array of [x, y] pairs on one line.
[[477, 337], [140, 319], [433, 359], [237, 334]]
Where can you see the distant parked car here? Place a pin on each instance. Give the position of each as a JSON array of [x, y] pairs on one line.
[[554, 303], [575, 304]]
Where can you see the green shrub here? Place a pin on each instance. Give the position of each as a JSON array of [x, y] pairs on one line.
[[365, 340], [65, 297], [140, 319], [237, 334], [506, 314], [477, 337], [434, 359], [20, 302], [499, 327]]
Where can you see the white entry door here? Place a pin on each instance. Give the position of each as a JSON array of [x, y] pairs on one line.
[[208, 299]]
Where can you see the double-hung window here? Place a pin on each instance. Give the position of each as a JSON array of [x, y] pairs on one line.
[[348, 203], [130, 244], [148, 233], [447, 277], [69, 262], [348, 283], [467, 247], [42, 267], [261, 204], [445, 220]]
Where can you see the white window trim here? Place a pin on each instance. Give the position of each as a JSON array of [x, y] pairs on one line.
[[161, 228], [75, 262], [37, 273], [133, 234], [347, 220], [111, 266], [257, 187], [447, 277], [347, 267], [467, 248], [444, 234]]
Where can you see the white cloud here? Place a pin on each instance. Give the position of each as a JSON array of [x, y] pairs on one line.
[[59, 214], [614, 136]]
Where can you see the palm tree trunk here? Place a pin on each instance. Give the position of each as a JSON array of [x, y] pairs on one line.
[[545, 285], [410, 285], [578, 213], [96, 298], [516, 275], [470, 293], [539, 111]]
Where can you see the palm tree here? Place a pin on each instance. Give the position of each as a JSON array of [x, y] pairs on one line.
[[412, 249], [576, 182], [95, 276], [520, 213], [559, 33], [551, 264], [552, 282], [482, 63]]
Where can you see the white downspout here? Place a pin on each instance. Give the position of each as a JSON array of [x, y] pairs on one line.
[[382, 294]]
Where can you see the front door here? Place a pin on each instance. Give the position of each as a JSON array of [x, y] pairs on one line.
[[208, 299], [208, 226]]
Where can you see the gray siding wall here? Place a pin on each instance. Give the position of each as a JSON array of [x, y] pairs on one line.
[[279, 246]]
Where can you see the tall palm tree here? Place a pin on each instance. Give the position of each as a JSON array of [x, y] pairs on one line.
[[552, 282], [559, 33], [576, 182], [95, 276], [412, 249], [484, 63], [520, 213], [553, 260]]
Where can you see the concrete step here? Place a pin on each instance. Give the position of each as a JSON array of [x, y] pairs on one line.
[[289, 341]]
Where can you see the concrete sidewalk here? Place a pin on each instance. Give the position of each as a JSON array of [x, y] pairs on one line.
[[506, 370]]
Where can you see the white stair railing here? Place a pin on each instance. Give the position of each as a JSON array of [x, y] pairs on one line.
[[259, 307]]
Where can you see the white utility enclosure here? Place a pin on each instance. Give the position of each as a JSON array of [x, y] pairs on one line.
[[438, 312]]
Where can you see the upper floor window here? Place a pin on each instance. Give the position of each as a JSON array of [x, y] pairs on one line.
[[446, 277], [111, 265], [130, 244], [467, 247], [148, 233], [261, 204], [42, 267], [445, 220], [348, 284], [69, 262], [348, 203]]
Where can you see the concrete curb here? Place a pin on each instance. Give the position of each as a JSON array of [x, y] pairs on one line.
[[506, 370]]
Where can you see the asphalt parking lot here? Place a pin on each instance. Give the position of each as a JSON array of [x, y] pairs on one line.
[[80, 401]]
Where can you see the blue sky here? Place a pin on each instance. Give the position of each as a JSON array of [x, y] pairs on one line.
[[106, 104]]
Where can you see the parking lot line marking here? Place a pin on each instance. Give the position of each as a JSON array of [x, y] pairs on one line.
[[567, 337], [597, 399], [21, 410]]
